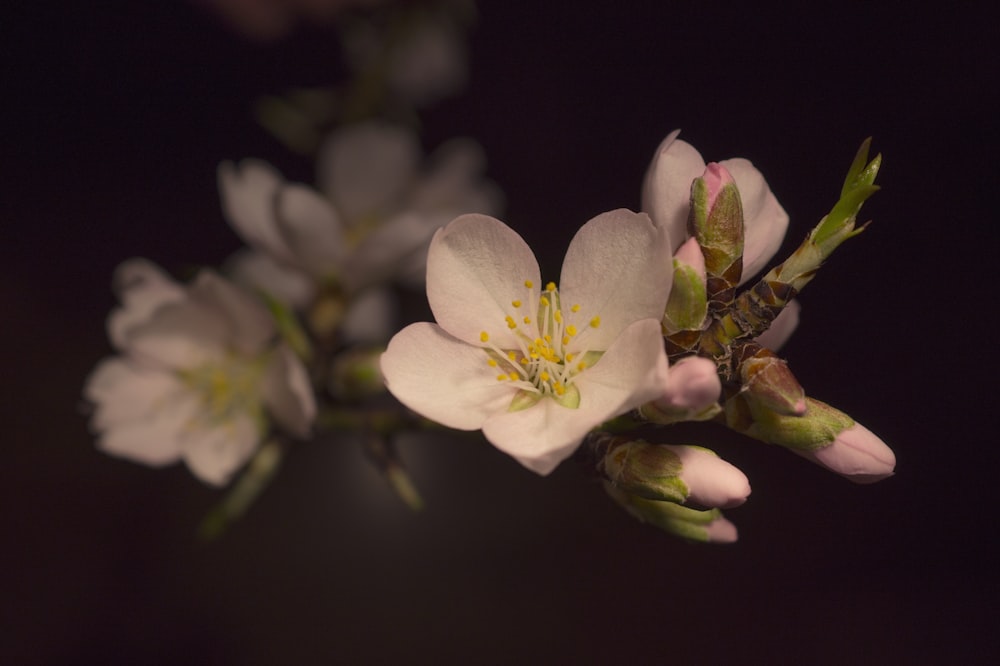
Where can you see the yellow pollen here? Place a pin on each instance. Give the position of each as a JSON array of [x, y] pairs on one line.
[[484, 336], [529, 284], [527, 320], [516, 304], [565, 340], [500, 378], [575, 308], [548, 339], [595, 322], [492, 363], [550, 287], [569, 358], [581, 366], [513, 375], [559, 388], [510, 322], [571, 330], [544, 376], [558, 316], [544, 301], [524, 360]]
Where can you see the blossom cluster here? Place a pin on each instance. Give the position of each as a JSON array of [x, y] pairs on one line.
[[659, 315]]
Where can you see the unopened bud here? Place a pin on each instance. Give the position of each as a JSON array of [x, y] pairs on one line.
[[691, 393], [708, 526], [688, 302], [823, 434], [768, 381], [716, 221], [674, 473]]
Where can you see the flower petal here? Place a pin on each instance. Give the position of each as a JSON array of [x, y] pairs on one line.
[[476, 267], [249, 325], [213, 453], [442, 378], [692, 384], [393, 243], [765, 221], [123, 392], [666, 190], [775, 337], [142, 288], [629, 374], [287, 393], [618, 267], [249, 193], [181, 335], [365, 168], [256, 271], [311, 229], [370, 317]]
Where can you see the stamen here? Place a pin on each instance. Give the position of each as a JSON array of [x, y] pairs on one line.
[[484, 337], [529, 284], [595, 322], [516, 303]]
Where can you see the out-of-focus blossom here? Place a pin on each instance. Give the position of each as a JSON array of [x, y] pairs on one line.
[[536, 368], [201, 375], [267, 20], [369, 221]]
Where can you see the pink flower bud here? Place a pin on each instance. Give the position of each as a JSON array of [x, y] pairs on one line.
[[710, 480], [692, 385], [857, 454], [716, 177], [721, 530]]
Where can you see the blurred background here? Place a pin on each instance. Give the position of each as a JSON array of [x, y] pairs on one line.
[[115, 118]]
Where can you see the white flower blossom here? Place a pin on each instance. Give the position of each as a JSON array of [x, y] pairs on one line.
[[536, 367], [370, 220], [200, 377]]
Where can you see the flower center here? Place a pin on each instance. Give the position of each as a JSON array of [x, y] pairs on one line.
[[551, 347], [227, 388]]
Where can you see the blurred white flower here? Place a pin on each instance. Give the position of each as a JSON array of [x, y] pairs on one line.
[[369, 221], [200, 378], [536, 368]]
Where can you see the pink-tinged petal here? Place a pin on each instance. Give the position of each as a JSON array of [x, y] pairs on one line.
[[366, 168], [249, 195], [690, 254], [312, 230], [156, 439], [442, 378], [476, 267], [712, 482], [857, 453], [721, 530], [256, 271], [666, 190], [214, 452], [541, 436], [370, 317], [765, 221], [250, 327], [142, 288], [287, 392], [123, 392], [618, 267], [777, 334], [181, 335], [692, 384], [631, 372], [381, 253]]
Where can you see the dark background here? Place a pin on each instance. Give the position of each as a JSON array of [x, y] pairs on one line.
[[114, 119]]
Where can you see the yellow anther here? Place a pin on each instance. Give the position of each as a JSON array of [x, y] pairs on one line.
[[512, 355], [581, 366], [544, 376], [558, 316], [550, 287], [510, 322], [501, 378], [527, 320], [576, 307], [548, 339], [516, 304], [571, 330], [544, 301], [529, 284], [538, 342], [492, 363], [559, 388], [513, 375], [524, 360], [534, 356], [484, 336], [595, 322], [565, 340], [569, 358]]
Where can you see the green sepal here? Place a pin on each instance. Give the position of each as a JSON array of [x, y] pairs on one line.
[[646, 470], [670, 517], [688, 302], [288, 325], [817, 428]]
